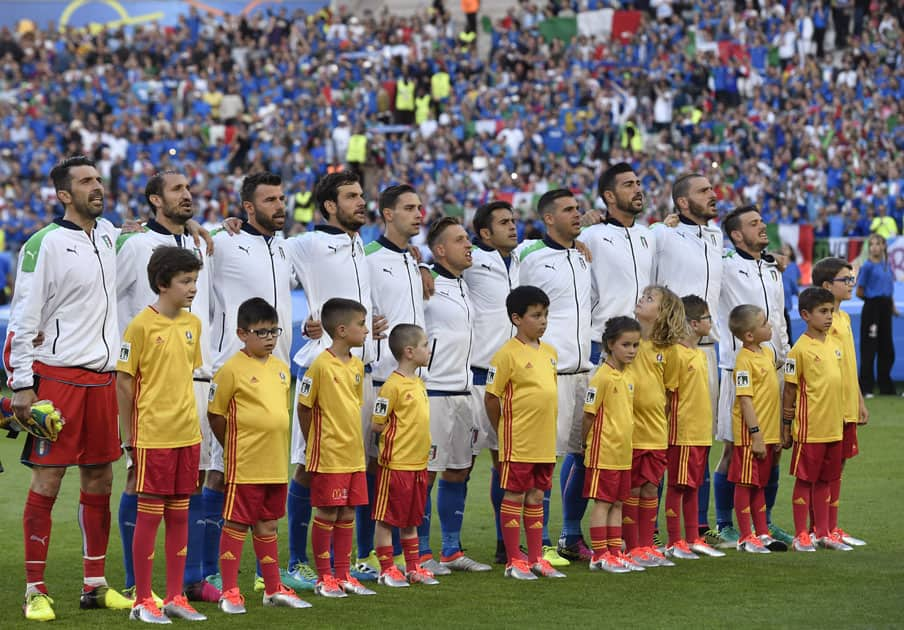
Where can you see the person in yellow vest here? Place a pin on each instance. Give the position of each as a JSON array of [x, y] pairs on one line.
[[440, 87], [632, 137], [884, 225], [404, 100], [422, 107], [303, 207], [356, 155]]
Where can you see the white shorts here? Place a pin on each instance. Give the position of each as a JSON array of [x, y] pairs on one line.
[[486, 435], [572, 390], [453, 433], [371, 439], [712, 362], [297, 453], [724, 425]]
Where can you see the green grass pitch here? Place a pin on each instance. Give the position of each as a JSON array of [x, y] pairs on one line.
[[863, 588]]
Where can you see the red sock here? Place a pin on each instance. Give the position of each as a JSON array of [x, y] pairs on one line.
[[510, 516], [343, 532], [834, 494], [742, 495], [410, 549], [691, 514], [614, 539], [800, 505], [321, 537], [384, 555], [821, 508], [176, 544], [231, 543], [267, 551], [630, 509], [674, 496], [758, 511], [533, 531], [36, 524], [94, 521], [598, 541], [150, 513], [646, 520]]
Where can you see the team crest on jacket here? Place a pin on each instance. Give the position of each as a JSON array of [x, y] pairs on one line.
[[107, 241], [282, 254], [643, 241], [837, 353]]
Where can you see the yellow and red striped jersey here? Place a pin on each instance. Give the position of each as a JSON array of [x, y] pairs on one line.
[[755, 377], [816, 368], [842, 334], [655, 370], [690, 413], [610, 398], [402, 406]]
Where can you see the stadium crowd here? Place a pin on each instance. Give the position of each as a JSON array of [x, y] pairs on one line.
[[752, 93]]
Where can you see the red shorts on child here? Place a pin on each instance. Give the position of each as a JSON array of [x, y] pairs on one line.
[[687, 465], [647, 466], [400, 497], [338, 489], [166, 471], [524, 476], [747, 470], [817, 461], [849, 439], [607, 485], [87, 401], [248, 503]]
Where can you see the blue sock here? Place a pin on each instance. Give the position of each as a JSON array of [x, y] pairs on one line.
[[573, 502], [128, 514], [771, 492], [450, 505], [195, 546], [298, 508], [423, 530], [212, 509], [364, 524], [703, 500], [724, 499], [546, 540], [496, 495], [396, 542]]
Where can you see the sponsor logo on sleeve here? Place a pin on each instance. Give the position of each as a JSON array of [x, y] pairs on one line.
[[742, 379], [381, 406], [590, 398], [212, 393], [491, 375], [790, 367], [125, 351], [306, 383]]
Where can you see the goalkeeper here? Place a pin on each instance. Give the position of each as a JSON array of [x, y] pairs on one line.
[[44, 423]]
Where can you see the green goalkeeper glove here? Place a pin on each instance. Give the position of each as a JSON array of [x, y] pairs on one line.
[[44, 423]]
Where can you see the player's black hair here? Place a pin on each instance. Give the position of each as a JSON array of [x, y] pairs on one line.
[[60, 174], [523, 297], [743, 319], [607, 179], [438, 227], [389, 197], [813, 297], [256, 311], [826, 269], [251, 182], [167, 261], [695, 307], [155, 187], [483, 218], [327, 189], [404, 336], [338, 311], [732, 220], [546, 202], [682, 186], [616, 327]]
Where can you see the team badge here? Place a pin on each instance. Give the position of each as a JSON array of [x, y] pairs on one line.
[[643, 241], [198, 254], [42, 448], [631, 387], [282, 377], [282, 254], [581, 260], [590, 398], [381, 406], [791, 367], [432, 455], [491, 375], [837, 353], [188, 337], [659, 357], [553, 362], [212, 393], [357, 379], [742, 379], [125, 351], [306, 383], [107, 241], [774, 275]]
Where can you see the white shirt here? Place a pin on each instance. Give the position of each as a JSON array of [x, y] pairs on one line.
[[450, 321], [331, 264], [565, 277], [689, 262], [396, 293], [248, 265], [489, 281], [65, 288], [621, 268], [749, 281]]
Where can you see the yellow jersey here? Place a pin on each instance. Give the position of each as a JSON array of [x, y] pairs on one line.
[[403, 408], [160, 354], [755, 377], [842, 334], [253, 396], [524, 380], [334, 391], [656, 370], [610, 398], [816, 368], [691, 412]]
